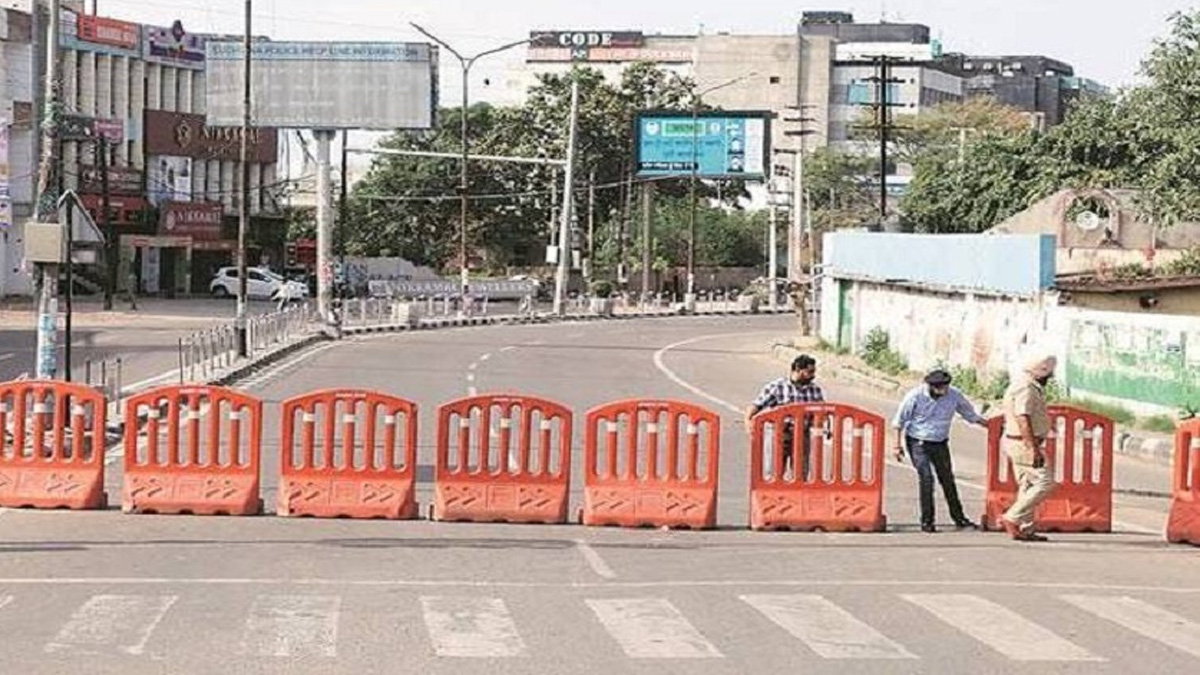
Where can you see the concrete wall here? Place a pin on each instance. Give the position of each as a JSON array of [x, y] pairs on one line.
[[1170, 301], [951, 261]]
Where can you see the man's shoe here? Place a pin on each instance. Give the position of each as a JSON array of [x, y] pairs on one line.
[[1030, 535], [929, 529], [965, 524]]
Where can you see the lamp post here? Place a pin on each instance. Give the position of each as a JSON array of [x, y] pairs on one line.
[[466, 63], [691, 252]]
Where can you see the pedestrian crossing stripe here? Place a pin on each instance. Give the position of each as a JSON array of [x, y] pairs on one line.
[[644, 628]]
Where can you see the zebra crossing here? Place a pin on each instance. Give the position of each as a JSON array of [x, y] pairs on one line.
[[464, 627]]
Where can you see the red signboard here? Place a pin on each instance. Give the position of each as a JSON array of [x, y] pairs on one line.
[[124, 210], [199, 220], [101, 30]]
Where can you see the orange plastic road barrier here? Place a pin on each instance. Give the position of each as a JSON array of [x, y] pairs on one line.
[[1183, 525], [510, 460], [1080, 449], [651, 464], [842, 487], [51, 445], [197, 452], [368, 470]]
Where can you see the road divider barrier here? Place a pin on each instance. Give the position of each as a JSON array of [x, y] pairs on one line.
[[1079, 451], [198, 452], [51, 445], [1183, 523], [348, 453], [651, 463], [817, 466], [503, 458]]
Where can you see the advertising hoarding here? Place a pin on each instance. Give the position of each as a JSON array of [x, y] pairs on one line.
[[722, 144], [169, 180], [99, 34], [199, 220], [325, 85], [173, 46]]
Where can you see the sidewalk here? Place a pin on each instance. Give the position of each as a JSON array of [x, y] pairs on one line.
[[846, 369]]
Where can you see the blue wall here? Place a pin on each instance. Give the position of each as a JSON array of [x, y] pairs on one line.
[[1016, 264]]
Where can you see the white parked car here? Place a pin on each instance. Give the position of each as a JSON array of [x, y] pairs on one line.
[[261, 283]]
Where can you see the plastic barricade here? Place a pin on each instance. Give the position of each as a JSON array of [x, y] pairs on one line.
[[51, 445], [1080, 450], [192, 449], [651, 464], [348, 453], [817, 466], [1183, 524], [503, 458]]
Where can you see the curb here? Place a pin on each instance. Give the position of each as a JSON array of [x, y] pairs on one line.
[[1127, 443]]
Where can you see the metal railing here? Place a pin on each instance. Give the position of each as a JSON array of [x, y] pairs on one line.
[[204, 354]]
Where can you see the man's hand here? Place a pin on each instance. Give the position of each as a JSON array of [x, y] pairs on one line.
[[899, 454]]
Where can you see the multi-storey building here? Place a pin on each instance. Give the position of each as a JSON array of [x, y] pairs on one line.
[[17, 132]]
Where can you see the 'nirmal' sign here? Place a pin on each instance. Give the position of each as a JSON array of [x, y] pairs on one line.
[[723, 144], [325, 85]]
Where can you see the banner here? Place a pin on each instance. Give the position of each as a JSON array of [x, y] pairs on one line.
[[169, 180], [173, 46]]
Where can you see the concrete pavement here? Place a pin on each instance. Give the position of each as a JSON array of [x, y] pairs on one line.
[[102, 592]]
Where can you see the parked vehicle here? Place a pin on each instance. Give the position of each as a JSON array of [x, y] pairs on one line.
[[261, 284]]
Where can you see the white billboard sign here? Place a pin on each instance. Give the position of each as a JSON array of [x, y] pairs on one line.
[[325, 85]]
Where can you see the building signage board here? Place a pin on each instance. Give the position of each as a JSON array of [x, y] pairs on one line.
[[187, 135], [570, 39], [725, 144], [83, 32], [122, 180], [173, 46], [199, 220], [326, 85]]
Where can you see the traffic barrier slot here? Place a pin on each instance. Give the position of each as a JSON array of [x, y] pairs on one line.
[[51, 445], [1080, 451], [197, 452], [1183, 524], [348, 453], [817, 466], [651, 464], [503, 458]]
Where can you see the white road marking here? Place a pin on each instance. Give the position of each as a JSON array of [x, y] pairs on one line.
[[652, 628], [485, 357], [594, 560], [472, 391], [509, 348], [470, 377], [263, 377], [473, 366], [4, 600], [674, 377], [473, 583], [293, 625], [107, 623], [1143, 618], [1001, 628], [826, 628], [471, 627]]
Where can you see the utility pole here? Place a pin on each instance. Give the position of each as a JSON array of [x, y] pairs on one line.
[[111, 250], [343, 218], [591, 240], [772, 247], [325, 218], [47, 197], [795, 236], [243, 346], [883, 123], [564, 230], [647, 245]]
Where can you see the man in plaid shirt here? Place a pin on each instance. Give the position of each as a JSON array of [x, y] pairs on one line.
[[798, 387]]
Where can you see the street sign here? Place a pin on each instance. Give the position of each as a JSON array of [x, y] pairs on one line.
[[325, 85], [723, 144]]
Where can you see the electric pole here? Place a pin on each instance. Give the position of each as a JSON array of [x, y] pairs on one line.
[[564, 230], [243, 347], [111, 250], [48, 189], [883, 124]]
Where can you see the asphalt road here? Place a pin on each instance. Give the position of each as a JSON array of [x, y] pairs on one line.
[[103, 592]]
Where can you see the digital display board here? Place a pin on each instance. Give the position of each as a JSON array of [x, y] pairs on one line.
[[720, 144]]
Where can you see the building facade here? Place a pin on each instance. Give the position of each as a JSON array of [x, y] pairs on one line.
[[17, 133]]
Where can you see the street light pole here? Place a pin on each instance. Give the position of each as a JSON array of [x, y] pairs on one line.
[[466, 63], [243, 347], [689, 299]]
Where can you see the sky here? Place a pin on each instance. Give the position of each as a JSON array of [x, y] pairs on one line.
[[1104, 39]]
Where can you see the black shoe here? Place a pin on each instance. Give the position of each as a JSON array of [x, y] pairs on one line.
[[929, 529], [965, 524]]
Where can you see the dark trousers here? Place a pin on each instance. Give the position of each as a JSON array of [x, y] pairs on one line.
[[789, 451], [930, 458]]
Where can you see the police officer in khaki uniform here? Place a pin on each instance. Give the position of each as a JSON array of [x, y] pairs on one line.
[[1026, 426]]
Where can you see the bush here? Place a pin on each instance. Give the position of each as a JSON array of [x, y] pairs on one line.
[[1116, 413], [967, 380], [602, 289], [1163, 424], [878, 354]]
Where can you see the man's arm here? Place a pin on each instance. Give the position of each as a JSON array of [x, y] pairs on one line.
[[765, 399], [1031, 442], [900, 423], [967, 410]]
